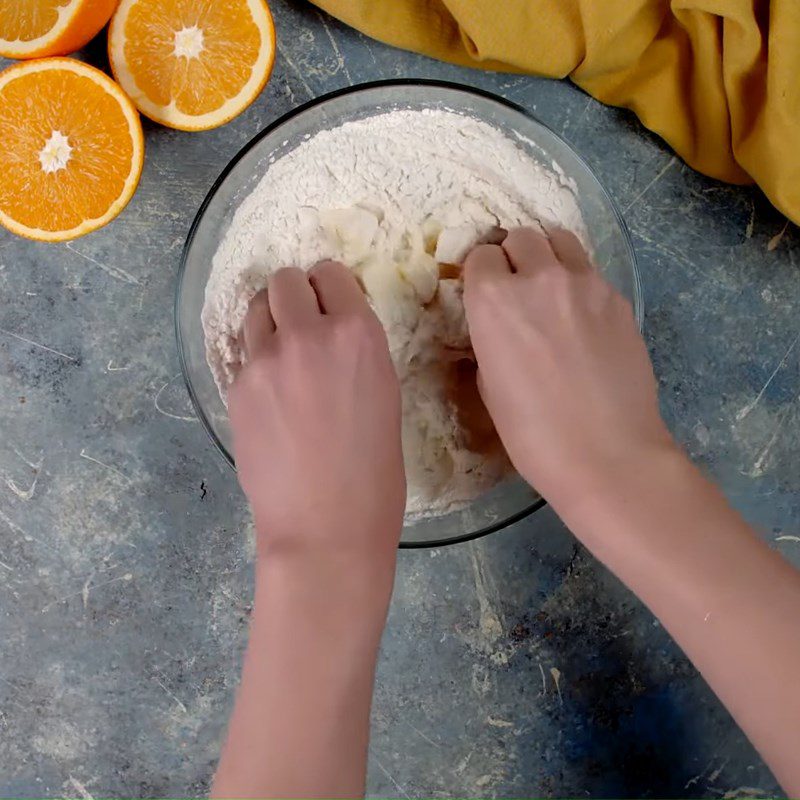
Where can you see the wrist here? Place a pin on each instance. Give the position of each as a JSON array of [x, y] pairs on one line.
[[354, 542], [612, 485], [327, 594]]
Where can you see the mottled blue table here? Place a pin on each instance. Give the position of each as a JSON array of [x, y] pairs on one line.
[[512, 666]]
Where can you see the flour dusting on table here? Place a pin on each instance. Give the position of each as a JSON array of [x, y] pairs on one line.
[[400, 198]]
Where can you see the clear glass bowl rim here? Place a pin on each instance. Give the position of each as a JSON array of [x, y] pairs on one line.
[[638, 300]]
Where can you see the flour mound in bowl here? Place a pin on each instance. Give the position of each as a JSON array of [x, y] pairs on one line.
[[400, 198]]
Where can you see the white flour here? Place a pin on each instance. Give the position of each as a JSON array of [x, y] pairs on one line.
[[394, 197]]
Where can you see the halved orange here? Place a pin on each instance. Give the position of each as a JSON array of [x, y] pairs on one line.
[[36, 28], [72, 149], [192, 64]]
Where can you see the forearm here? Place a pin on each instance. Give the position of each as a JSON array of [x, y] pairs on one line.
[[728, 600], [301, 723]]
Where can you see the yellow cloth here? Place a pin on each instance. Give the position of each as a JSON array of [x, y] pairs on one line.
[[719, 80]]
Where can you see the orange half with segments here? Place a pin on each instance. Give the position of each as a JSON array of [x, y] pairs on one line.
[[36, 28], [192, 64], [72, 149]]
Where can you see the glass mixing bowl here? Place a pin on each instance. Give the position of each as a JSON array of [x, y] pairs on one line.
[[513, 499]]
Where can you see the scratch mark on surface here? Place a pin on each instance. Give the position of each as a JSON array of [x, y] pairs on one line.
[[296, 70], [237, 601], [389, 776], [126, 577], [544, 680], [25, 494], [773, 243], [421, 734], [115, 272], [85, 590], [744, 791], [748, 231], [556, 673], [109, 467], [742, 413], [110, 368], [37, 344], [717, 772], [787, 538], [21, 457], [368, 43], [289, 92], [758, 467], [495, 722], [692, 781], [172, 695], [5, 566], [462, 765], [80, 788], [167, 413], [489, 622], [673, 160], [339, 57], [580, 120], [16, 528]]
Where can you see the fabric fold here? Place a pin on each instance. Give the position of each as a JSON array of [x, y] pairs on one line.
[[718, 80]]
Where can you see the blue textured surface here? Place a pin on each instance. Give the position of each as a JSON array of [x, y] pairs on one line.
[[513, 666]]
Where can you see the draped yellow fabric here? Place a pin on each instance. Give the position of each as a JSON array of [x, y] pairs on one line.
[[719, 80]]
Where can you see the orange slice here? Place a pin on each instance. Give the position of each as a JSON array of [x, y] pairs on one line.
[[72, 149], [192, 64], [36, 28]]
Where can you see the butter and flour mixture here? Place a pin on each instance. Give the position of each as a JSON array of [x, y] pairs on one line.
[[400, 198]]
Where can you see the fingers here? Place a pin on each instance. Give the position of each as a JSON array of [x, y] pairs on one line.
[[292, 300], [569, 250], [258, 326], [337, 289], [528, 251], [485, 261], [293, 296]]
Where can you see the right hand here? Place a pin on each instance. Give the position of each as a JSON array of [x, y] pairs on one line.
[[563, 370]]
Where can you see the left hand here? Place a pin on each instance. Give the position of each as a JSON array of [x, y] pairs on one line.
[[316, 418]]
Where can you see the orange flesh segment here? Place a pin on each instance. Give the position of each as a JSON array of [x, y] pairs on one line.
[[32, 107], [199, 85], [27, 21]]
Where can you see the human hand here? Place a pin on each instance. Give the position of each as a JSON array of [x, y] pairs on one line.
[[315, 413], [563, 369]]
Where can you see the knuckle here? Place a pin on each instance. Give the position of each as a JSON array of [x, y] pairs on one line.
[[256, 372], [484, 291], [515, 236], [257, 304], [365, 330], [357, 326], [553, 279], [297, 336], [283, 275], [327, 267], [495, 289], [481, 253], [522, 237]]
